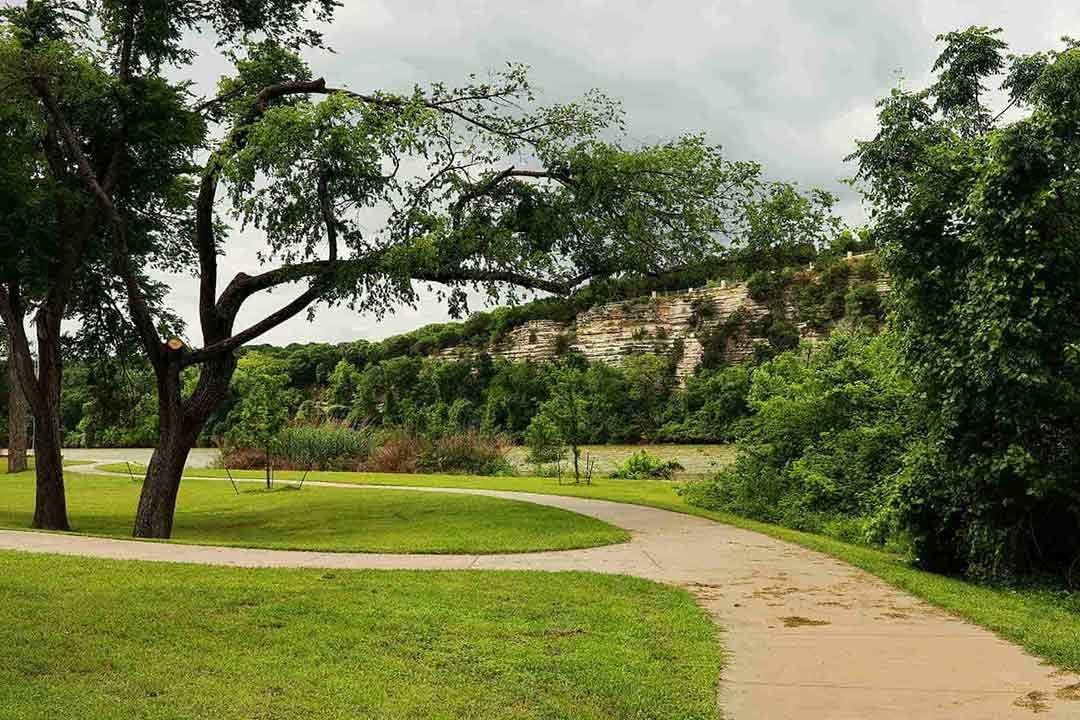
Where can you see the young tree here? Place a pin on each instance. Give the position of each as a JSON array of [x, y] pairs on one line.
[[563, 419], [479, 187], [263, 410], [978, 216]]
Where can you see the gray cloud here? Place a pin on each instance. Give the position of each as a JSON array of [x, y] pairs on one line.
[[788, 83]]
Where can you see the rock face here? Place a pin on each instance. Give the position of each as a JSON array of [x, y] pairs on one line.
[[664, 323]]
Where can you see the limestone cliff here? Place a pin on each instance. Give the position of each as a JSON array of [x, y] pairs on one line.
[[660, 323]]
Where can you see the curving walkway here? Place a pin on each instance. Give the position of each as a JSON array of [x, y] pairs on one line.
[[805, 636]]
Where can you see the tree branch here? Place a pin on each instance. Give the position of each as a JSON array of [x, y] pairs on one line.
[[140, 308]]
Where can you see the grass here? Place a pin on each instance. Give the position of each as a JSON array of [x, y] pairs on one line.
[[111, 640], [325, 519], [1044, 622]]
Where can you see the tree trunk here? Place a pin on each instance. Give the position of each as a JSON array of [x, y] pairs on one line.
[[180, 422], [50, 504], [17, 417], [157, 503]]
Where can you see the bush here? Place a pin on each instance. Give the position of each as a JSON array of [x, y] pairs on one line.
[[324, 447], [397, 452], [643, 466], [824, 447], [469, 453], [863, 303]]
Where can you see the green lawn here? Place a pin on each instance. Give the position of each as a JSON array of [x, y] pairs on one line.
[[107, 639], [1045, 622], [325, 519]]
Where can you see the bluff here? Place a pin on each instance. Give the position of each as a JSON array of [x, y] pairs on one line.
[[736, 319]]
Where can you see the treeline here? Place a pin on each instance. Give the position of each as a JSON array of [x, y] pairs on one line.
[[396, 384]]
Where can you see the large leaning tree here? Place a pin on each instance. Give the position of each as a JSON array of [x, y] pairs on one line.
[[976, 202], [363, 198]]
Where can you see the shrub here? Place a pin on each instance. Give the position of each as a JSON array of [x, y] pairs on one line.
[[397, 452], [470, 453], [643, 466], [324, 447], [242, 458], [824, 447], [767, 286]]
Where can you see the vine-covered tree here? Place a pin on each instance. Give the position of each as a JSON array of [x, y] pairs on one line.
[[471, 186], [977, 212]]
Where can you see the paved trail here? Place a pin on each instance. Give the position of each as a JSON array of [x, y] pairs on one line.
[[805, 636]]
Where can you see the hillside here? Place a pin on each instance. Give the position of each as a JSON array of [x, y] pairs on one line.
[[733, 320]]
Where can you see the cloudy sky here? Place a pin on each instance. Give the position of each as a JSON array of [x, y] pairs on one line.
[[788, 83]]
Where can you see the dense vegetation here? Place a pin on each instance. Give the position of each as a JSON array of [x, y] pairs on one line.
[[396, 384], [824, 443], [956, 434]]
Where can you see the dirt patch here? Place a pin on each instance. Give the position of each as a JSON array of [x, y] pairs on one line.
[[793, 621], [1069, 692], [1035, 701], [896, 616], [706, 591]]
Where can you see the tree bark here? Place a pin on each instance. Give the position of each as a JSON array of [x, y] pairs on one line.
[[50, 503], [180, 422], [161, 486], [17, 417]]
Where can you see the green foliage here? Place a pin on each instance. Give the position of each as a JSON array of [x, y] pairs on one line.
[[544, 441], [567, 411], [264, 406], [322, 447], [710, 407], [824, 445], [643, 466], [862, 303], [650, 380], [978, 219]]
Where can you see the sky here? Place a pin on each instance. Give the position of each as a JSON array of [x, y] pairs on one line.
[[787, 83]]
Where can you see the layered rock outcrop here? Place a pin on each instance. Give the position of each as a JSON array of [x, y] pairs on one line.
[[663, 323]]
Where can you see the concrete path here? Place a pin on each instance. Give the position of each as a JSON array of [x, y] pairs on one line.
[[805, 636]]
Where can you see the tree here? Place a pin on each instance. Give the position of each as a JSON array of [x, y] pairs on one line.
[[978, 217], [263, 410], [53, 263], [504, 195], [649, 382], [563, 420]]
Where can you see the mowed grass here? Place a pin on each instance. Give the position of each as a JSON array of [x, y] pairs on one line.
[[326, 519], [1046, 622], [112, 640]]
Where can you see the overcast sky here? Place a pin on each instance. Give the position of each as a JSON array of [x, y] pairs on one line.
[[788, 83]]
